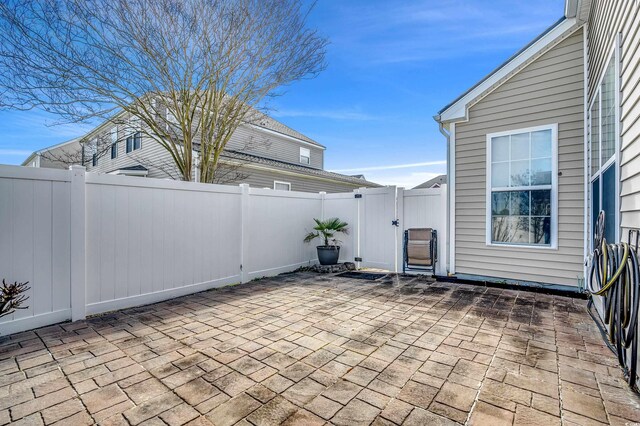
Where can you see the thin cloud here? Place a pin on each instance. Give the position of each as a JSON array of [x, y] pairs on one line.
[[393, 166], [14, 152], [417, 30]]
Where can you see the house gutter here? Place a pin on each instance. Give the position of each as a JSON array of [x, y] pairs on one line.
[[450, 193]]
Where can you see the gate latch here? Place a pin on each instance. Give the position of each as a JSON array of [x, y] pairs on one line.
[[395, 222]]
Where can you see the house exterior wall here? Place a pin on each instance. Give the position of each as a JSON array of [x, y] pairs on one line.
[[57, 157], [246, 139], [264, 178], [550, 90], [160, 164], [150, 155], [608, 19], [271, 145]]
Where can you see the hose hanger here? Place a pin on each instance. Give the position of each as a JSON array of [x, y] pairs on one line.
[[613, 274]]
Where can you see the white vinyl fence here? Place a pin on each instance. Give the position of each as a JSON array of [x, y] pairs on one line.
[[91, 243]]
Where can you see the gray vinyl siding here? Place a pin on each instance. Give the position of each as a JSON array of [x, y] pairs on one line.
[[549, 90], [272, 145], [263, 178], [151, 155], [60, 157], [160, 164], [607, 19]]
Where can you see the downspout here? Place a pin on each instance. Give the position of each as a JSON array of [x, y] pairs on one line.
[[450, 191]]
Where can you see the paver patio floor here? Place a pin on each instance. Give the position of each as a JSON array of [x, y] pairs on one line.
[[308, 349]]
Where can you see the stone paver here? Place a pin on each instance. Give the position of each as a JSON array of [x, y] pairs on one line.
[[305, 349]]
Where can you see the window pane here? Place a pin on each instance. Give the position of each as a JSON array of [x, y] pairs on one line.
[[519, 203], [540, 230], [519, 173], [500, 203], [608, 111], [520, 146], [594, 134], [502, 229], [521, 230], [609, 202], [522, 160], [500, 175], [541, 203], [595, 206], [500, 148], [541, 144], [541, 171]]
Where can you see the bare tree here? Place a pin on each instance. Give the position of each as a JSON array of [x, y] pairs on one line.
[[184, 73]]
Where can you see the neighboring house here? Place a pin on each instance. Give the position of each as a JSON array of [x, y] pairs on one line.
[[59, 156], [267, 154], [542, 144], [436, 182]]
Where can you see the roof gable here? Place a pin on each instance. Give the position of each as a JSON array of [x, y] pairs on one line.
[[459, 108]]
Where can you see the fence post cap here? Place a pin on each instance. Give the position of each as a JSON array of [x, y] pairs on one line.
[[77, 167]]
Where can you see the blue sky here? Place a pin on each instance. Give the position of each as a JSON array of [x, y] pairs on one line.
[[391, 66]]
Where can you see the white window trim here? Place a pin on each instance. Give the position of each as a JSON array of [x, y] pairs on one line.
[[554, 188], [614, 54], [305, 153], [276, 182]]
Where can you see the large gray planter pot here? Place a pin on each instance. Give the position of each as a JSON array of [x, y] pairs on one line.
[[328, 255]]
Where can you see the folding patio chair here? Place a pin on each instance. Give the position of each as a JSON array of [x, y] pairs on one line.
[[420, 249]]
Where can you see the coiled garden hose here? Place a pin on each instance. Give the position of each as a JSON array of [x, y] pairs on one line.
[[613, 274]]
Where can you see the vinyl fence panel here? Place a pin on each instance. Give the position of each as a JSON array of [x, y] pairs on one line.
[[92, 243], [34, 243], [149, 240], [426, 208], [277, 224]]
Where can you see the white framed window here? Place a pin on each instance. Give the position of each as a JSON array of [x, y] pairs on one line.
[[522, 187], [281, 186], [92, 151], [114, 142], [604, 148], [305, 155]]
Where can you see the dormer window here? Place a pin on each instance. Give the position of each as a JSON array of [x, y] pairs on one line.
[[305, 156]]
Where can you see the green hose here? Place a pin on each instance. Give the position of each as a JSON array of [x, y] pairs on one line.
[[621, 297]]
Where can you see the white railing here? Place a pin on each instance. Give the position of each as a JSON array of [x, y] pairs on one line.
[[92, 243]]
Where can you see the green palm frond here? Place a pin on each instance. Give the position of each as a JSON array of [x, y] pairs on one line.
[[326, 229]]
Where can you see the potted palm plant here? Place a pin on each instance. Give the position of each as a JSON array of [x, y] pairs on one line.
[[328, 254]]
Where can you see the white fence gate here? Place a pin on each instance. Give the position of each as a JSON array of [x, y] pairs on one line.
[[378, 232], [378, 218], [90, 243]]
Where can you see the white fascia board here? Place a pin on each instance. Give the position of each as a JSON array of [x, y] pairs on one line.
[[458, 111], [29, 158], [273, 132]]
